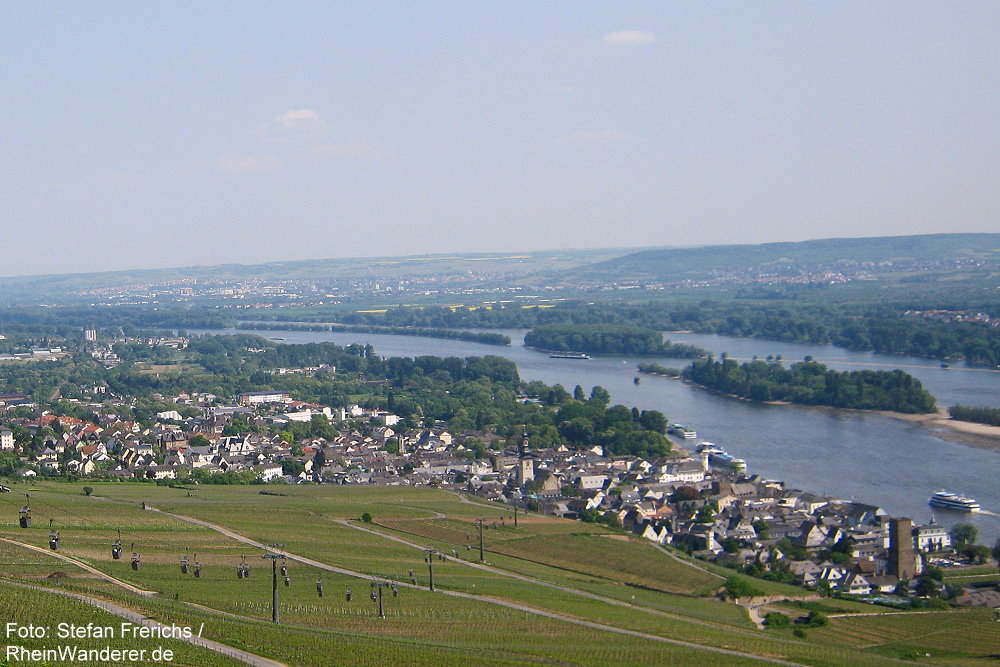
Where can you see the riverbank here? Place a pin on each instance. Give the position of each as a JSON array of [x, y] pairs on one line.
[[971, 434]]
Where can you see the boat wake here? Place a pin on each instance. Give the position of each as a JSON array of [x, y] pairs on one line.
[[988, 513]]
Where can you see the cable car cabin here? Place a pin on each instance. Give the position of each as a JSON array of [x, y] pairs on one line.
[[184, 564], [284, 568], [348, 595], [116, 546], [25, 512], [197, 570], [319, 587], [53, 537], [288, 581], [135, 561], [243, 569]]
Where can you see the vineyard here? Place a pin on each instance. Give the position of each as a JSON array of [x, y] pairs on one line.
[[549, 590]]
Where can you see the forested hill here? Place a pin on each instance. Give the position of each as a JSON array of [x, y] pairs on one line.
[[879, 254]]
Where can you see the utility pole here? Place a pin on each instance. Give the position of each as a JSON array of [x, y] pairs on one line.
[[482, 557], [273, 556], [515, 513], [430, 565]]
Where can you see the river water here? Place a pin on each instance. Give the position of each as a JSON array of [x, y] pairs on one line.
[[847, 454]]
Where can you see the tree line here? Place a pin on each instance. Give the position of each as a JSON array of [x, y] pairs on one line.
[[966, 413], [485, 337], [864, 325], [464, 394], [812, 383], [607, 339]]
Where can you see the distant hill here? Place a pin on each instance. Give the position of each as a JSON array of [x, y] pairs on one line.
[[942, 253], [495, 266], [882, 254]]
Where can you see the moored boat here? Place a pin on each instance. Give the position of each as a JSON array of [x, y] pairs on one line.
[[683, 431], [720, 458]]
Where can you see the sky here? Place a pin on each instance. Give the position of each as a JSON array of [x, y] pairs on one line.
[[164, 134]]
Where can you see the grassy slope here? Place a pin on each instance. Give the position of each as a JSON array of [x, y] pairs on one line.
[[421, 626]]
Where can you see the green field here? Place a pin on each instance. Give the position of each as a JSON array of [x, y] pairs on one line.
[[551, 591]]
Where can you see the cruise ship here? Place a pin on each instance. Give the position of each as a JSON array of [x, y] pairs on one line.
[[720, 458], [568, 355], [953, 501], [683, 431]]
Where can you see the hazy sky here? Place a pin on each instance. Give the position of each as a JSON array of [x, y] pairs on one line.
[[141, 134]]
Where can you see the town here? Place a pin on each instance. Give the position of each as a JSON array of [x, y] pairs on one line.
[[698, 501]]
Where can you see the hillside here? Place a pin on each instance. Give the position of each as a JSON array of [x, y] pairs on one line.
[[503, 267], [877, 255], [549, 590]]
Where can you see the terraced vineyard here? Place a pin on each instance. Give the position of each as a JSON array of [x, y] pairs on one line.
[[549, 591]]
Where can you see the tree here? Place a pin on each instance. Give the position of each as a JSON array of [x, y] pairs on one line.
[[978, 552], [816, 619], [600, 396], [926, 587], [682, 493], [199, 441], [761, 527], [706, 514], [775, 619], [963, 535], [87, 490], [292, 467], [739, 587]]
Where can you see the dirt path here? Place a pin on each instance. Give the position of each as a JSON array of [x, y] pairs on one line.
[[502, 603], [55, 554], [757, 606], [139, 619], [547, 584], [684, 562]]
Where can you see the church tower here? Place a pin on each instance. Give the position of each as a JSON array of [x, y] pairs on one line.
[[525, 464]]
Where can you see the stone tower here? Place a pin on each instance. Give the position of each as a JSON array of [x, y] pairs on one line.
[[902, 560]]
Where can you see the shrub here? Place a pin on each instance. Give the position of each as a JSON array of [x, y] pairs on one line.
[[776, 619], [366, 517], [738, 587], [816, 619], [87, 490]]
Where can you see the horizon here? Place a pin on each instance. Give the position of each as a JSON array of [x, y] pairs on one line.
[[513, 254]]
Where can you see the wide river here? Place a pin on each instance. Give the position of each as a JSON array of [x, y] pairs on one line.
[[853, 455]]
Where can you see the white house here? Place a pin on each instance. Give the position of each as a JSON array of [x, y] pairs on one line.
[[6, 438], [932, 537]]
